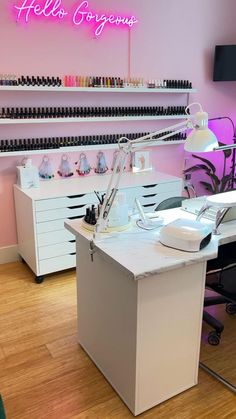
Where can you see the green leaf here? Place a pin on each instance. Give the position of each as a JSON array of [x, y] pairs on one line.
[[196, 167], [224, 183], [208, 186], [208, 162], [214, 178], [227, 153]]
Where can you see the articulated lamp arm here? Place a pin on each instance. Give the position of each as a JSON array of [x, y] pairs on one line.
[[124, 149], [201, 127]]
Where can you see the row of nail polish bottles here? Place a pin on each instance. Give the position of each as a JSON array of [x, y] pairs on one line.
[[87, 112], [85, 140]]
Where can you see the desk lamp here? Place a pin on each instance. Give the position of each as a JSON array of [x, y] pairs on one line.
[[200, 139], [222, 202], [229, 146]]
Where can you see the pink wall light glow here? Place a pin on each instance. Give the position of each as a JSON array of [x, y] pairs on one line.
[[172, 41]]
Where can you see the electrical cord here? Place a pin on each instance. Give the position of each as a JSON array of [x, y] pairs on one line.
[[151, 226]]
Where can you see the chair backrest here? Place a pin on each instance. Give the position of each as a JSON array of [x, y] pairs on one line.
[[173, 202]]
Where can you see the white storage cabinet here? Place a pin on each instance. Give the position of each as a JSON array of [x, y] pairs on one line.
[[43, 242]]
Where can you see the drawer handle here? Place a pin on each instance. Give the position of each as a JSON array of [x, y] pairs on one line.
[[149, 196], [150, 186], [71, 241], [76, 196], [77, 206], [149, 205], [76, 216], [71, 254]]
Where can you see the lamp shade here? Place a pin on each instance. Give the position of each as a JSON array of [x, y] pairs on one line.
[[201, 139], [222, 200]]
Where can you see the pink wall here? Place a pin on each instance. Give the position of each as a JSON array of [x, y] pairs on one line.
[[171, 40]]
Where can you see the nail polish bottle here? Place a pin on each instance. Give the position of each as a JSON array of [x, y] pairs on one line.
[[87, 215], [77, 81]]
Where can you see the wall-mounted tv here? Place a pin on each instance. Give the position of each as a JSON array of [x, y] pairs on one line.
[[224, 63]]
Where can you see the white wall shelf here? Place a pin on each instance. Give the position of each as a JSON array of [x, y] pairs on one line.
[[8, 121], [83, 148], [93, 89]]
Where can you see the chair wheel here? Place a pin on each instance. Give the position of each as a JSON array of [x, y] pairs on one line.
[[230, 308], [213, 338]]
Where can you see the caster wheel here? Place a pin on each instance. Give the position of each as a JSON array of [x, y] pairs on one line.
[[230, 308], [39, 279], [213, 338]]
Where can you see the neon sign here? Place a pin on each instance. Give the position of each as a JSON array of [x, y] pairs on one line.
[[80, 14]]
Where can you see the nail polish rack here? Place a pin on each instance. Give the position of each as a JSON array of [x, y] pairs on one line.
[[13, 114], [98, 81], [92, 84], [60, 144], [169, 84], [89, 112], [39, 81], [13, 80]]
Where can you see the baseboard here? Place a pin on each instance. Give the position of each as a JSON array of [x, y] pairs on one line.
[[9, 254]]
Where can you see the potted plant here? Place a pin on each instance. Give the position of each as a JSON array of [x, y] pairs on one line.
[[218, 182]]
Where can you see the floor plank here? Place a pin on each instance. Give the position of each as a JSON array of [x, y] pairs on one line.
[[45, 374]]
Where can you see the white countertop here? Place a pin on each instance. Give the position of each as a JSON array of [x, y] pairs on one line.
[[140, 252], [81, 185]]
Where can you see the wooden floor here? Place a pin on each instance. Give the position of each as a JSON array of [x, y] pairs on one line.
[[45, 374]]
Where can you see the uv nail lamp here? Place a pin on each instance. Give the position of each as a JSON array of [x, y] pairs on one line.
[[186, 235]]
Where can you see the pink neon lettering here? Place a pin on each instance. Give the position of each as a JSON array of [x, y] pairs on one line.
[[50, 8], [82, 14], [112, 19], [89, 17], [132, 21], [79, 13], [118, 20]]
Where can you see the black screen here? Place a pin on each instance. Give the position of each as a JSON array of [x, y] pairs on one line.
[[225, 63]]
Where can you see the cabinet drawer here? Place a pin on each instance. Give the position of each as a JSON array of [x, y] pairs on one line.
[[149, 199], [66, 201], [150, 204], [60, 213], [47, 226], [158, 188], [149, 207], [59, 249], [53, 237], [58, 263]]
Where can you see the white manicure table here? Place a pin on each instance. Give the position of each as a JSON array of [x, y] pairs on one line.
[[140, 309]]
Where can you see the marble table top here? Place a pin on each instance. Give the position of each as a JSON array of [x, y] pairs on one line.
[[140, 252]]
